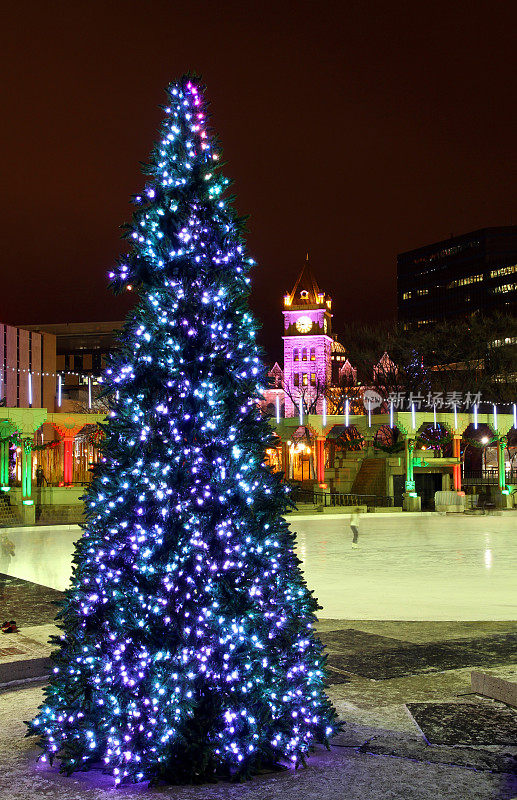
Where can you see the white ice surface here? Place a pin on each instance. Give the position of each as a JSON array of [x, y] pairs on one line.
[[412, 567], [407, 566], [41, 554]]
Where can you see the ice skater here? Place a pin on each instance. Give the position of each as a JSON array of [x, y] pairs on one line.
[[354, 524]]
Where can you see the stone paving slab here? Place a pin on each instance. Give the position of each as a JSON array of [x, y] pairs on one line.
[[381, 665], [381, 658], [493, 759], [25, 657], [419, 632], [348, 640], [337, 676], [466, 723], [381, 752], [40, 634], [22, 671], [375, 708], [18, 647], [26, 602]]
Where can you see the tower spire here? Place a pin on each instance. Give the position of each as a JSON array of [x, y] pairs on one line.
[[306, 287]]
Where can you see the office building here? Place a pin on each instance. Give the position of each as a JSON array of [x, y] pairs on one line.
[[475, 273]]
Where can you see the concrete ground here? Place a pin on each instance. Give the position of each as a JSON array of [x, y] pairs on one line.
[[383, 752], [348, 771]]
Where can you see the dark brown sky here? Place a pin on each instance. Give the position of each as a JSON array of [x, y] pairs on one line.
[[353, 130]]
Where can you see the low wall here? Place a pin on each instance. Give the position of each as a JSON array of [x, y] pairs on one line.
[[342, 475], [40, 554], [53, 505], [401, 522], [58, 495], [59, 515]]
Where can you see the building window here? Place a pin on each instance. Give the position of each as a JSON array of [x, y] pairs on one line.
[[296, 354], [305, 379], [502, 342], [406, 296], [505, 288], [421, 292], [313, 354], [304, 354], [465, 281], [498, 273], [313, 379], [296, 378]]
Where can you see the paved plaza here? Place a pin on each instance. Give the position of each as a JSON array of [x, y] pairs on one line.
[[399, 666]]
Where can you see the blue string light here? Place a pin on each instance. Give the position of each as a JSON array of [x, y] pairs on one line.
[[187, 648]]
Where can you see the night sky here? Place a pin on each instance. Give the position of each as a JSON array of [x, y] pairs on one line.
[[352, 130]]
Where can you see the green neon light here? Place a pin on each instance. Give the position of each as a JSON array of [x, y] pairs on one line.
[[4, 463], [28, 502], [5, 488]]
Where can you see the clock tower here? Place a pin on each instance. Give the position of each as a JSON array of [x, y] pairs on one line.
[[307, 343]]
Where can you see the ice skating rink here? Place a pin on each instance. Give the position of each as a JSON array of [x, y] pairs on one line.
[[407, 566], [412, 566]]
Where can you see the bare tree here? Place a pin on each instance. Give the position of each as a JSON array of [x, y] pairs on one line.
[[468, 357], [309, 396]]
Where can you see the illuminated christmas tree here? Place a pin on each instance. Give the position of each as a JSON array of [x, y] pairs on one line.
[[187, 650]]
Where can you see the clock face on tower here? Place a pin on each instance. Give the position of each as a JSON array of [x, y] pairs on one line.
[[303, 324]]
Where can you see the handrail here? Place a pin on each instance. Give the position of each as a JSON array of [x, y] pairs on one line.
[[489, 476], [335, 499]]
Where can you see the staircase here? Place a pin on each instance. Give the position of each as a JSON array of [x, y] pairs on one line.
[[371, 478], [8, 515]]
